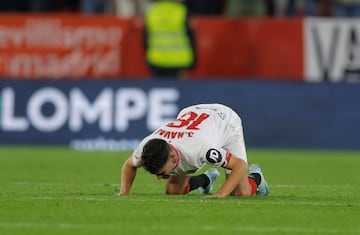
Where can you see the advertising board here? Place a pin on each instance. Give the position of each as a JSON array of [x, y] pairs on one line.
[[115, 115]]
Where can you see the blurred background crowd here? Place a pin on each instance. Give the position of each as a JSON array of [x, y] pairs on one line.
[[227, 8]]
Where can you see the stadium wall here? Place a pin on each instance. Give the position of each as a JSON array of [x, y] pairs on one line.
[[115, 115]]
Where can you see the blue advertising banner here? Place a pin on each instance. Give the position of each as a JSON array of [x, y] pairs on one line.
[[115, 115]]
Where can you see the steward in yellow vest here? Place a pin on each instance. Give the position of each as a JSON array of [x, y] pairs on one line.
[[169, 40]]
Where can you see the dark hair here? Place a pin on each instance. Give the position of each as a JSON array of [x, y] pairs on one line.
[[155, 154]]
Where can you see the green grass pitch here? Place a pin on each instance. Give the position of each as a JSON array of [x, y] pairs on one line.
[[60, 191]]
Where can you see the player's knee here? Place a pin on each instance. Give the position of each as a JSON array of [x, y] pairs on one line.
[[239, 192], [245, 193], [173, 191]]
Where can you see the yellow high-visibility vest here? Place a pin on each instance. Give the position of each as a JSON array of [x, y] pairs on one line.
[[168, 43]]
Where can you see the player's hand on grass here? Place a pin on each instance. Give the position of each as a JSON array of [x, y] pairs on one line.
[[121, 194]]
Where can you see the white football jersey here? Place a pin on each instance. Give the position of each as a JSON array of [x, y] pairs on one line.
[[202, 134]]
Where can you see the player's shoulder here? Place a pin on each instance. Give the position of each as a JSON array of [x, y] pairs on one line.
[[204, 107]]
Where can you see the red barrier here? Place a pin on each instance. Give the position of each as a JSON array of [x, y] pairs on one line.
[[76, 46], [265, 48]]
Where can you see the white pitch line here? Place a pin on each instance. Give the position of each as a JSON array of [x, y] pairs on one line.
[[268, 202], [278, 229], [186, 200], [287, 229], [53, 225]]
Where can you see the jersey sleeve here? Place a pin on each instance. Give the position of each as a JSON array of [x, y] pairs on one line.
[[136, 157], [217, 157]]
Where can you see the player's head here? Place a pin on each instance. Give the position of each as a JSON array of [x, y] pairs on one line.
[[155, 155]]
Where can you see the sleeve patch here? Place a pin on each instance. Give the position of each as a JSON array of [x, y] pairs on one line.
[[227, 159], [214, 156], [136, 160]]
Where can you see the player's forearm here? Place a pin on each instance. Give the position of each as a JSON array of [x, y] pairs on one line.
[[127, 178], [231, 182]]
